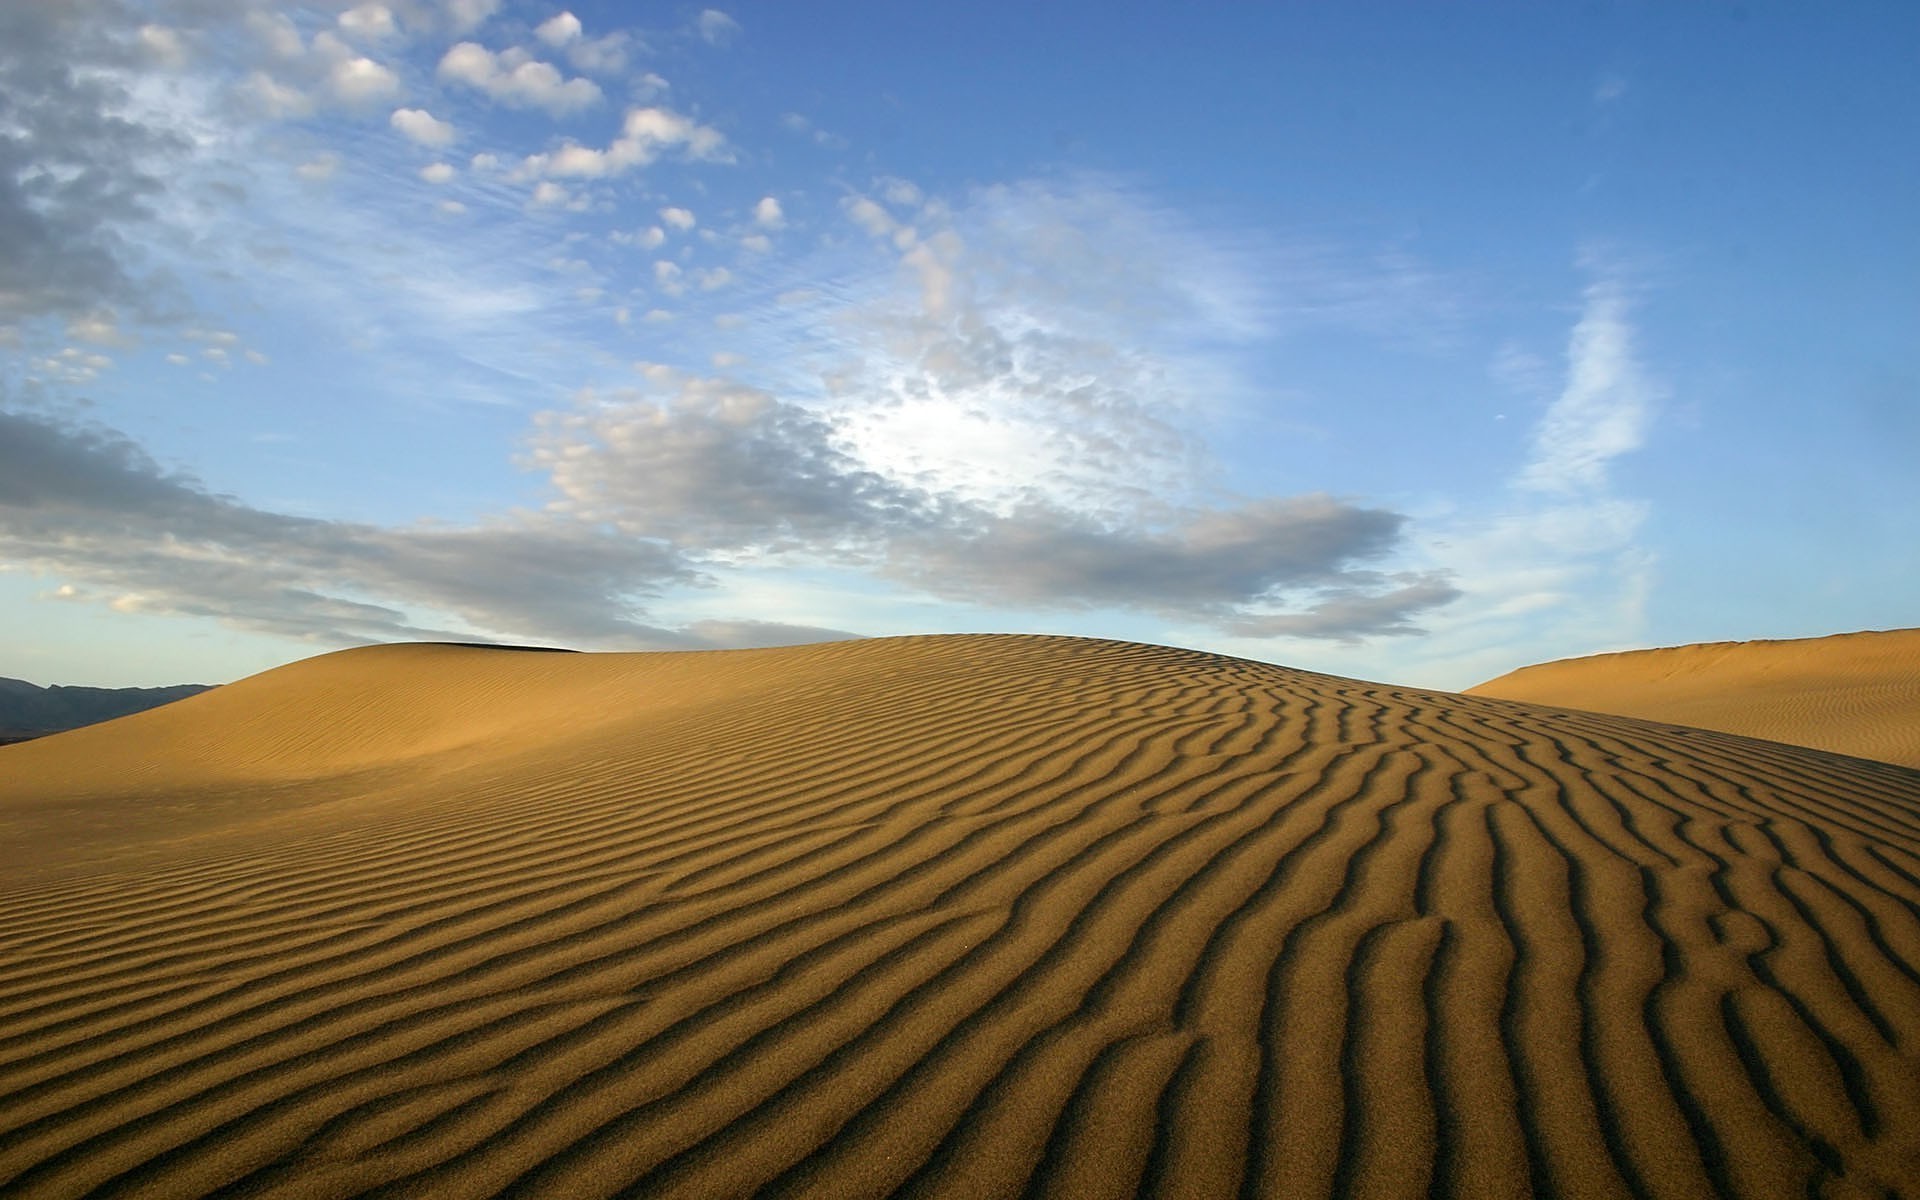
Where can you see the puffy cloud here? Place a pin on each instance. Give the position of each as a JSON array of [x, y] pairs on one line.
[[607, 55], [368, 22], [679, 218], [649, 238], [437, 172], [277, 32], [419, 125], [548, 194], [645, 134], [274, 98], [521, 83], [558, 29], [465, 16], [360, 80], [716, 27], [768, 213], [869, 216]]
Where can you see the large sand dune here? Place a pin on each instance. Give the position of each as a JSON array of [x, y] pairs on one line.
[[965, 916], [1853, 693]]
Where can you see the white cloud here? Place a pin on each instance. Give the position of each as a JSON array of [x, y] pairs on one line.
[[437, 172], [99, 328], [369, 22], [679, 218], [274, 98], [277, 32], [756, 243], [467, 15], [768, 213], [360, 80], [419, 125], [717, 27], [876, 220], [319, 168], [649, 238], [558, 29], [645, 134], [451, 208], [525, 83], [548, 194], [712, 279], [163, 46], [667, 275], [1604, 410]]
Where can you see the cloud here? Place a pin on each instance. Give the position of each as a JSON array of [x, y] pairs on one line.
[[767, 213], [1605, 408], [717, 27], [79, 180], [1350, 614], [516, 81], [318, 168], [1206, 564], [84, 504], [419, 125], [369, 22], [716, 467], [726, 472], [645, 134], [277, 32], [558, 29], [679, 218], [163, 46], [465, 16], [361, 80], [437, 172]]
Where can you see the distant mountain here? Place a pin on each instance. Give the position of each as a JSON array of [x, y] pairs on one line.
[[28, 710]]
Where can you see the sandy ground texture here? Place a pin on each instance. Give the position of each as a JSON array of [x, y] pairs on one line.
[[950, 916], [1854, 693]]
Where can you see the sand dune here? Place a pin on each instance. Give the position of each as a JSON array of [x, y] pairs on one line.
[[1854, 693], [962, 916]]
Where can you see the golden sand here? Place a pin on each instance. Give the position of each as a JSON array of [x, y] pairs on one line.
[[1854, 693], [956, 916]]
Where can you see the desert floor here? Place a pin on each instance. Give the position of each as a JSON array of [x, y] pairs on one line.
[[957, 916]]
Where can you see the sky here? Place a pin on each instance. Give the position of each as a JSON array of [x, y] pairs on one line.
[[1410, 342]]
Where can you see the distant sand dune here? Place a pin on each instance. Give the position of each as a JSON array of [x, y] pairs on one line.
[[961, 916], [1854, 693]]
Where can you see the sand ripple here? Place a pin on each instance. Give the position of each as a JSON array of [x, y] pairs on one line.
[[968, 916]]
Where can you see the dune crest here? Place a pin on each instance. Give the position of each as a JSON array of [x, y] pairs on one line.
[[967, 916], [1852, 693]]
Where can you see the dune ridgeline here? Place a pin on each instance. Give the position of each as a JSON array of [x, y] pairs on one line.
[[945, 916], [1853, 693]]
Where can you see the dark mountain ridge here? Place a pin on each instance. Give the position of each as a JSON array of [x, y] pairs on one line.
[[28, 710]]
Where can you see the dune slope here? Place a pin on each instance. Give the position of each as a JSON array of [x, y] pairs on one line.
[[981, 916], [1853, 693]]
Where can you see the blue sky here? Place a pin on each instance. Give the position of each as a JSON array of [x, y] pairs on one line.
[[1407, 341]]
